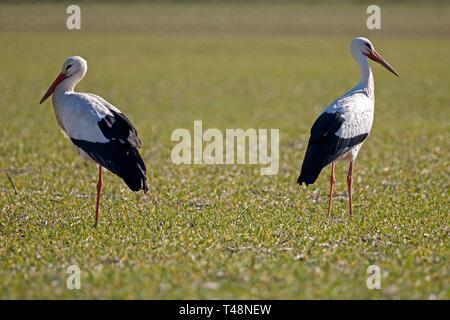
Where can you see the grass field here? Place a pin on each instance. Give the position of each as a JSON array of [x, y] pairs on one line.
[[225, 231]]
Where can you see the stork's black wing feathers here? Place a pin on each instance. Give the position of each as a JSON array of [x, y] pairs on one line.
[[121, 159], [120, 154], [325, 146], [118, 127]]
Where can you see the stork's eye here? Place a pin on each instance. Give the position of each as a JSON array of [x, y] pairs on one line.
[[68, 67], [368, 46]]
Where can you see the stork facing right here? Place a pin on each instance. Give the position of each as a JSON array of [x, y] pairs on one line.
[[338, 133]]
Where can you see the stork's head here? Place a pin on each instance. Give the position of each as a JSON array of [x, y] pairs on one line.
[[74, 65], [73, 70], [363, 47]]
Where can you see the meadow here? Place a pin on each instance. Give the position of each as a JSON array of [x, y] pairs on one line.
[[225, 231]]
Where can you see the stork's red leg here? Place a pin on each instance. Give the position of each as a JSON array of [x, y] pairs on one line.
[[350, 185], [332, 181], [99, 190]]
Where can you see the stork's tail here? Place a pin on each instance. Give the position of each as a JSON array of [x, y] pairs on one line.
[[134, 172], [122, 160], [308, 175], [311, 167]]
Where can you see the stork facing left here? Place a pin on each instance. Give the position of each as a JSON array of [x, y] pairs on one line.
[[99, 131]]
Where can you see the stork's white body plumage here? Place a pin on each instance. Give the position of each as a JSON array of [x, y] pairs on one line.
[[78, 114], [339, 132], [99, 131], [357, 109]]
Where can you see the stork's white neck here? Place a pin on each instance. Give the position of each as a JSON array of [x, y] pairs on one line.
[[67, 86], [366, 82]]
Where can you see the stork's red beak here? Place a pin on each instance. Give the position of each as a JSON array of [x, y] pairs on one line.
[[52, 88], [375, 56]]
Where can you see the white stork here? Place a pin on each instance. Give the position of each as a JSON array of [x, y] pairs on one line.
[[99, 131], [340, 130]]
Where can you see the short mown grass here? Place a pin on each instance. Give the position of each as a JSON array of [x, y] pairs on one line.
[[225, 231]]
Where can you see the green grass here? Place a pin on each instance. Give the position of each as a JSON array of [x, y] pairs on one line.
[[225, 231]]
